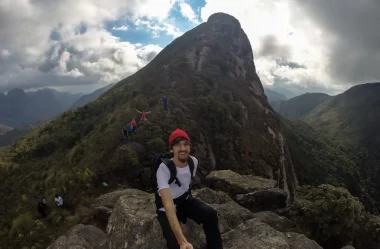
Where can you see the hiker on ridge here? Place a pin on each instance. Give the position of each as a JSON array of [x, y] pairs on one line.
[[42, 206], [171, 179], [129, 129], [165, 100], [124, 131], [58, 200], [143, 114], [134, 125]]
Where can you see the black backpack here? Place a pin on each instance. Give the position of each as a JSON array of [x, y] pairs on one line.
[[166, 159]]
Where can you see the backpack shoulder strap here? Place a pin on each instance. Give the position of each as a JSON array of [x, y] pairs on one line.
[[190, 161], [173, 171]]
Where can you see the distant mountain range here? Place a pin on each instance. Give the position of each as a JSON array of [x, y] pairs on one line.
[[283, 91], [20, 112], [4, 129], [274, 96], [19, 108], [299, 106], [336, 139], [83, 100]]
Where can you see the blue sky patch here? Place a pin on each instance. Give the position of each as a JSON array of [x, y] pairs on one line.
[[144, 35]]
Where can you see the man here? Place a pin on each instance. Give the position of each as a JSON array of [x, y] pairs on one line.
[[124, 131], [134, 125], [42, 206], [143, 114], [174, 201], [165, 100]]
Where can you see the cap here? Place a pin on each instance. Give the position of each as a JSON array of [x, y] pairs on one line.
[[176, 134]]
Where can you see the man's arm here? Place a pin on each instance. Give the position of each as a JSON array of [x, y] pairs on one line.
[[167, 200], [138, 111], [149, 112]]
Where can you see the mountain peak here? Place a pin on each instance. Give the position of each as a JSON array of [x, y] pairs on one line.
[[223, 18], [16, 92]]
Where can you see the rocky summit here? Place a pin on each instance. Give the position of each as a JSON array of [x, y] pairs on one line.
[[133, 224]]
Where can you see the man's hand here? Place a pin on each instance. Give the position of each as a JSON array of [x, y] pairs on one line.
[[185, 245]]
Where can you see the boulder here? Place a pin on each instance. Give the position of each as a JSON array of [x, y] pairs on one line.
[[263, 200], [234, 184], [102, 207], [109, 200], [133, 224], [133, 221], [254, 234], [81, 237], [230, 214], [279, 223], [300, 241]]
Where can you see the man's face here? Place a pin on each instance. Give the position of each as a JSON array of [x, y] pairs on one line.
[[181, 149]]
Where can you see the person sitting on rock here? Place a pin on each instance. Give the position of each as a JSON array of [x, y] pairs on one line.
[[143, 114], [174, 201]]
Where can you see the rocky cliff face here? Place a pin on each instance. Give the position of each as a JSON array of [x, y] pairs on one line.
[[211, 70]]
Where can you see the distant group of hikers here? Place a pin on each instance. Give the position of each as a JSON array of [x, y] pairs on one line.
[[130, 128], [42, 206]]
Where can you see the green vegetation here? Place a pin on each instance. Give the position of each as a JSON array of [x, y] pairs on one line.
[[318, 159], [335, 218], [13, 135], [351, 120]]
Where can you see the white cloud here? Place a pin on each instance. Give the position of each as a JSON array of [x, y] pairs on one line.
[[80, 51], [188, 12], [120, 28], [5, 53], [299, 40], [158, 28]]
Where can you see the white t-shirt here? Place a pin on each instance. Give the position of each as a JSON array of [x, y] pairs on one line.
[[59, 201], [183, 175]]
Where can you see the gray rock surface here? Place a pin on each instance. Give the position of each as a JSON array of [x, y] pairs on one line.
[[254, 234], [279, 223], [81, 237], [300, 241], [263, 200], [234, 184]]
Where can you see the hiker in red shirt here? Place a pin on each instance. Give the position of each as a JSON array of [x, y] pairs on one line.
[[143, 114], [134, 124]]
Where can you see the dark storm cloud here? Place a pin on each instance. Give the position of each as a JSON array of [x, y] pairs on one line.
[[291, 64], [270, 47], [354, 36]]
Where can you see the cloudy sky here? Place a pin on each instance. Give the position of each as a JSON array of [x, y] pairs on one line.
[[81, 45]]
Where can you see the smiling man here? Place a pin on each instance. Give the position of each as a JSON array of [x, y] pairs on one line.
[[174, 200]]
